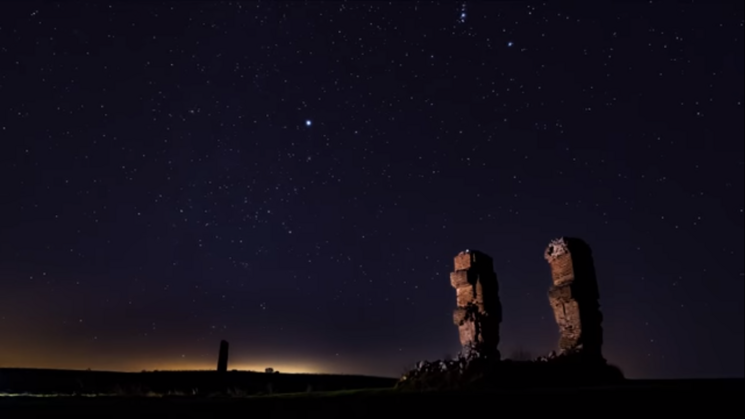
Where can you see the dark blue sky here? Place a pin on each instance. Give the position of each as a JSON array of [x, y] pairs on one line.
[[297, 177]]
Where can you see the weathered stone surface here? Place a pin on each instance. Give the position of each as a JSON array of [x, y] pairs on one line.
[[574, 297], [464, 295], [459, 279], [479, 311], [463, 261]]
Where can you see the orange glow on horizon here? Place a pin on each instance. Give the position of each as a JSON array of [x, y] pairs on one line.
[[35, 353], [290, 368], [117, 365]]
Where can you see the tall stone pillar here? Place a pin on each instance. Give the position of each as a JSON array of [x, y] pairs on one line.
[[574, 297], [222, 360], [479, 310]]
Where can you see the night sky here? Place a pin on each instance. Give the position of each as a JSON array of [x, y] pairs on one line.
[[297, 177]]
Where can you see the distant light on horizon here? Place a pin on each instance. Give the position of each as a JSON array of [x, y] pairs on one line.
[[240, 365], [182, 364]]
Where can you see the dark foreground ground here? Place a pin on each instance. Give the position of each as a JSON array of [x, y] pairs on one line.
[[200, 383], [699, 398]]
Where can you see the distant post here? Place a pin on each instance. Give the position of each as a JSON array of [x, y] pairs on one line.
[[222, 361]]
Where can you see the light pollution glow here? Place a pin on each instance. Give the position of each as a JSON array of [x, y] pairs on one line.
[[30, 353], [133, 366], [114, 363]]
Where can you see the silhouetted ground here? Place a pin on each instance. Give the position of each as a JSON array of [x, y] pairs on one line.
[[473, 371], [700, 398], [202, 383]]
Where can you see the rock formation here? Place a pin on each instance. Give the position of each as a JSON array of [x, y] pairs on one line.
[[222, 361], [574, 297], [479, 311]]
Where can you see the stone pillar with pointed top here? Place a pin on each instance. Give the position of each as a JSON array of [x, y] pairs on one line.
[[574, 297], [479, 311]]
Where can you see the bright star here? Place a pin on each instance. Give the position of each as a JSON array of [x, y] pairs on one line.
[[510, 44], [308, 123]]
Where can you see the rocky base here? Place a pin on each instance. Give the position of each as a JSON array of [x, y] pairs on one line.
[[473, 369]]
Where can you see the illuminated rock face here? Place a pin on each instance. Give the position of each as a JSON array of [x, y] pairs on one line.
[[574, 297], [479, 311]]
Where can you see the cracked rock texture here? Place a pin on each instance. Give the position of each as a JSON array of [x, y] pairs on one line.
[[479, 310], [574, 297]]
